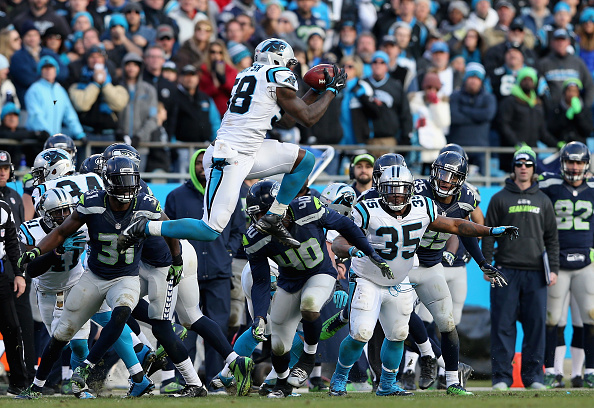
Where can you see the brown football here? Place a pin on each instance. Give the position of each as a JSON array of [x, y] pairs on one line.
[[315, 76]]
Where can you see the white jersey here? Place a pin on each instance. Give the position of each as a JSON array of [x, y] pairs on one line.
[[76, 185], [396, 239], [60, 277], [252, 107]]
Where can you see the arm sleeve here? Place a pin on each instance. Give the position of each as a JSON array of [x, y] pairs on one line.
[[472, 246], [348, 229], [41, 265], [261, 285]]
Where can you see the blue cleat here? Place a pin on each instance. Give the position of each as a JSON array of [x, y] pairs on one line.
[[338, 385], [141, 388], [393, 390]]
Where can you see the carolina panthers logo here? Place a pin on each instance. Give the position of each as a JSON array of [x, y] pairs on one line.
[[275, 47], [53, 156]]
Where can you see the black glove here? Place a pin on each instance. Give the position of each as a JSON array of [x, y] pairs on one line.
[[28, 257], [336, 83], [497, 278], [511, 231], [258, 328], [382, 264]]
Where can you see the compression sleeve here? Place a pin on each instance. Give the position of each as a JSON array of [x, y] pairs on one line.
[[42, 264], [184, 228], [472, 246], [261, 285]]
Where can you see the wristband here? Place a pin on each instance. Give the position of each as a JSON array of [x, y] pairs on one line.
[[178, 260]]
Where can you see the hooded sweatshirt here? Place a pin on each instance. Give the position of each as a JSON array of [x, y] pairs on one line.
[[532, 212], [215, 257]]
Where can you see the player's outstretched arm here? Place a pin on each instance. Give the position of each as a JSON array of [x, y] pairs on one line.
[[470, 229]]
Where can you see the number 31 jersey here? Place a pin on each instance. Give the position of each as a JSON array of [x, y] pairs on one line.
[[76, 185], [395, 238], [253, 109]]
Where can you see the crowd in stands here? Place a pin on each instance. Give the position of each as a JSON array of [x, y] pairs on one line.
[[421, 72]]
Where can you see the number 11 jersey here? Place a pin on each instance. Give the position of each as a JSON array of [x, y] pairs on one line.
[[253, 108]]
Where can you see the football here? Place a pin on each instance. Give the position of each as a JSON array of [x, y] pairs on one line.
[[315, 76]]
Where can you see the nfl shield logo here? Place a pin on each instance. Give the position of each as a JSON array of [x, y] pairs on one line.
[[3, 156]]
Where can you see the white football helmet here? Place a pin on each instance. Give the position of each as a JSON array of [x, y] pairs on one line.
[[55, 206], [396, 187], [339, 197], [51, 164], [275, 51]]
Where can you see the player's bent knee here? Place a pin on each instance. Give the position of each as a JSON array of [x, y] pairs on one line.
[[278, 347], [398, 334], [363, 333], [445, 323], [309, 316], [120, 315]]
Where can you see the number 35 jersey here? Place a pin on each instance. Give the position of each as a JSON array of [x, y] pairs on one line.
[[76, 185], [104, 227], [395, 238], [61, 276], [253, 109]]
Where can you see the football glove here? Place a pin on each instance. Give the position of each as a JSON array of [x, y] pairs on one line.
[[511, 231], [340, 297], [258, 328], [449, 257], [133, 234], [28, 257], [75, 241], [176, 270], [336, 83], [497, 278], [382, 264], [355, 253]]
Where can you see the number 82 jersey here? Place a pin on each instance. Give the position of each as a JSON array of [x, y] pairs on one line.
[[395, 238], [253, 108]]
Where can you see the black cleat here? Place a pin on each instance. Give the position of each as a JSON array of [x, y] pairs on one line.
[[408, 380], [464, 372], [301, 370], [272, 224], [428, 372], [577, 382], [281, 391], [191, 391], [132, 234]]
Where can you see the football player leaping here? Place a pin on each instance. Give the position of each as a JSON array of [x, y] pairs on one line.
[[394, 224], [260, 97]]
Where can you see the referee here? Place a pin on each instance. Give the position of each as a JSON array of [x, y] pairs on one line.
[[11, 282]]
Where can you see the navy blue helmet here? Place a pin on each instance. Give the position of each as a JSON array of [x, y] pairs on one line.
[[91, 164], [121, 178], [62, 141], [383, 162], [260, 197], [121, 149], [448, 173], [574, 152], [453, 147]]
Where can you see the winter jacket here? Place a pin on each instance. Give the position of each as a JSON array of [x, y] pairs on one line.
[[556, 69], [49, 19], [530, 21], [565, 130], [394, 119], [532, 212], [431, 122], [518, 122], [221, 94], [49, 108], [5, 88], [358, 109], [214, 257], [185, 23], [480, 24], [495, 56], [139, 118], [195, 118], [471, 117]]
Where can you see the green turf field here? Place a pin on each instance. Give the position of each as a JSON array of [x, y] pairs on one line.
[[568, 398]]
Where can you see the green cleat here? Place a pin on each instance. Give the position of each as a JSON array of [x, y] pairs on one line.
[[242, 368], [331, 326], [456, 389], [589, 380], [79, 379], [29, 393], [172, 387]]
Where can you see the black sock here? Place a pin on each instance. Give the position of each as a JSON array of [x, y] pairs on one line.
[[138, 377], [280, 363], [213, 335], [560, 336], [589, 345], [172, 344], [110, 333], [577, 340], [140, 312], [138, 348], [133, 324], [550, 346], [450, 349], [51, 354], [417, 329], [312, 330]]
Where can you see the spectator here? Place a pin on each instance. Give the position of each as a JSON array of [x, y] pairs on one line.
[[169, 72], [26, 60], [96, 99], [386, 18], [90, 38], [315, 46], [237, 7], [559, 65], [423, 14], [234, 31], [308, 18], [214, 258], [138, 119], [482, 17], [362, 169], [522, 116], [454, 27], [159, 158], [287, 29], [10, 130], [504, 77], [77, 49], [82, 21], [562, 19], [431, 119], [571, 120], [49, 107], [252, 36], [401, 68], [271, 19], [7, 90], [138, 32], [193, 51], [218, 75], [506, 12], [166, 40], [154, 15], [515, 37], [585, 38], [154, 65], [451, 80], [471, 48], [366, 46], [10, 41], [42, 16], [472, 110], [53, 40], [537, 16], [403, 35], [523, 205], [347, 37], [418, 32], [186, 15], [240, 56], [82, 6], [394, 123], [117, 42]]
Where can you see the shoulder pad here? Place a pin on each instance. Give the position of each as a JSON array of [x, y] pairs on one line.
[[91, 202], [253, 241], [306, 209], [361, 208], [27, 180], [282, 76], [467, 197], [546, 180]]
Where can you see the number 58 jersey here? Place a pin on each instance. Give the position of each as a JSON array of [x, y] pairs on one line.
[[394, 238], [253, 108]]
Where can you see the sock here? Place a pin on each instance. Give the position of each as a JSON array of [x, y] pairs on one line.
[[277, 208], [167, 375], [391, 354], [577, 361], [231, 357], [136, 373], [124, 349], [452, 378], [245, 344], [282, 378], [171, 343], [317, 371], [450, 350], [213, 335], [426, 349], [133, 324], [186, 369], [410, 361], [559, 359], [226, 372], [436, 349], [441, 365], [417, 329], [350, 351], [51, 354], [577, 340], [138, 346], [550, 345], [387, 378], [142, 337], [311, 332], [87, 362], [38, 383], [110, 334], [281, 364], [549, 370], [271, 375], [441, 370], [80, 350], [293, 182], [185, 228], [296, 348], [589, 371], [66, 374], [310, 348], [589, 347]]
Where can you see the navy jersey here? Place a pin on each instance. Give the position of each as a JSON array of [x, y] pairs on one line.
[[574, 213], [368, 195], [155, 251], [433, 243], [462, 257], [105, 225]]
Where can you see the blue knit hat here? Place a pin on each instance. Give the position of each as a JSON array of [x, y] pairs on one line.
[[237, 52], [381, 55], [45, 61], [474, 69], [82, 13], [9, 108], [587, 15], [118, 20]]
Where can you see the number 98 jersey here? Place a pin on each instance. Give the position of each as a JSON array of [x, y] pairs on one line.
[[395, 239], [253, 109], [76, 185]]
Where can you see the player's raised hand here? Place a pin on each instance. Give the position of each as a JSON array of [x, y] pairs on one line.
[[509, 230], [133, 234], [176, 270], [75, 241], [258, 328], [382, 264], [27, 257], [337, 82], [494, 275], [340, 298], [355, 253]]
